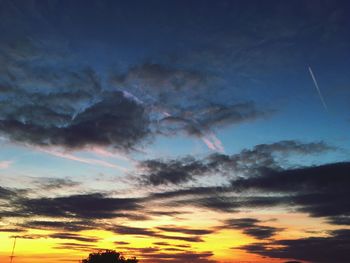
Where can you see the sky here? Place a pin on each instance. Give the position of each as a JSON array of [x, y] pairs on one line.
[[175, 131]]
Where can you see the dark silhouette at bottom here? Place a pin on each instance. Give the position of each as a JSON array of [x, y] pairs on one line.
[[108, 256]]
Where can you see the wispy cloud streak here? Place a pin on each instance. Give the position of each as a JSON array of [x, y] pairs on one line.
[[5, 164], [213, 142], [73, 157]]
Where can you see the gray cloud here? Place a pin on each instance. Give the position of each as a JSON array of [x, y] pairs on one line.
[[248, 162], [6, 193], [74, 237], [74, 226], [121, 243], [201, 121], [61, 235], [333, 248], [62, 104], [187, 256], [160, 172], [185, 100], [54, 183], [320, 191], [137, 231], [12, 230], [252, 227], [114, 121], [185, 230], [88, 206], [75, 246]]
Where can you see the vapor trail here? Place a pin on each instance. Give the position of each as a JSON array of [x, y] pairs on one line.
[[318, 89]]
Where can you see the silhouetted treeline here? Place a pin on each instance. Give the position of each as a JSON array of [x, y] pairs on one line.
[[108, 256]]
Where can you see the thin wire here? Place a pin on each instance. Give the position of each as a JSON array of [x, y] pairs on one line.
[[13, 250]]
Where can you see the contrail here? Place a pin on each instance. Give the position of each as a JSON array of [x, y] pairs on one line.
[[318, 89]]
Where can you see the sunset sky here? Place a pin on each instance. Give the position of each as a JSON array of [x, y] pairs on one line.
[[175, 131]]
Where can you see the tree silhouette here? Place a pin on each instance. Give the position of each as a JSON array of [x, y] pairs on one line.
[[108, 256]]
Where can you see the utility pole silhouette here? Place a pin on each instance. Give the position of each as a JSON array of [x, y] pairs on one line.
[[13, 250]]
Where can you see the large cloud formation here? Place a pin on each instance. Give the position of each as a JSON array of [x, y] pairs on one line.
[[47, 100], [320, 191], [186, 100], [247, 162], [59, 104], [50, 98], [332, 248]]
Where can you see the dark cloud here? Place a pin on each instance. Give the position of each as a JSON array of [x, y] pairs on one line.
[[74, 226], [165, 213], [127, 230], [75, 246], [61, 235], [47, 100], [185, 100], [193, 239], [29, 236], [185, 230], [155, 254], [247, 162], [121, 243], [250, 162], [159, 172], [54, 183], [6, 193], [251, 227], [50, 101], [320, 191], [185, 192], [211, 117], [261, 232], [88, 206], [217, 116], [162, 244], [339, 220], [174, 249], [173, 245], [288, 146], [222, 202], [113, 121], [137, 231], [7, 197], [12, 230], [324, 178], [333, 248], [216, 203], [144, 250], [187, 256], [74, 237]]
